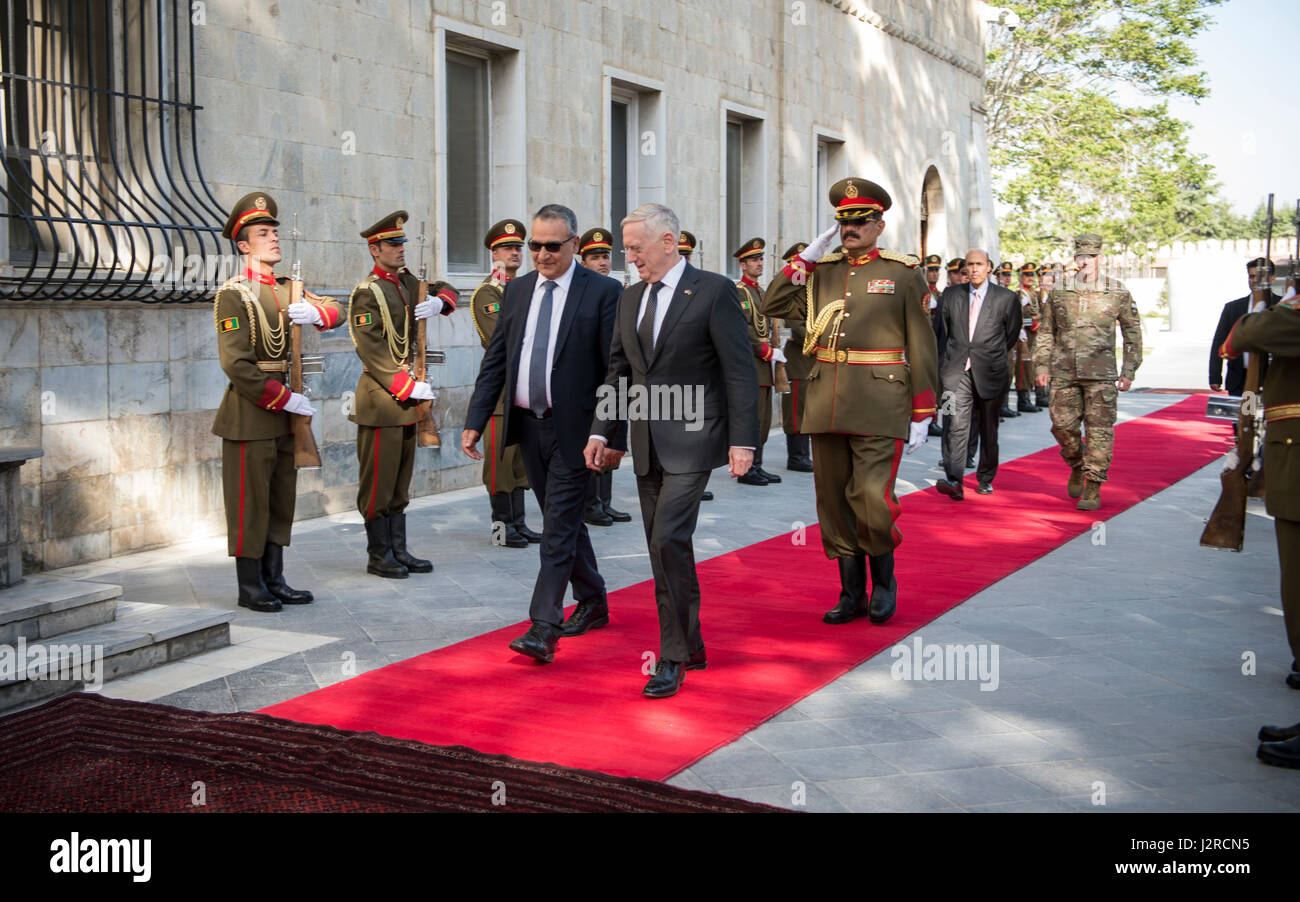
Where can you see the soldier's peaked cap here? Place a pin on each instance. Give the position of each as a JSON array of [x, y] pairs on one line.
[[854, 198], [934, 261], [686, 242], [258, 207], [507, 231], [797, 248], [388, 229], [751, 248], [594, 241], [954, 265], [1029, 269]]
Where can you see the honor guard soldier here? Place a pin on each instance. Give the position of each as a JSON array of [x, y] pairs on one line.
[[1075, 351], [503, 467], [686, 244], [933, 266], [1006, 272], [750, 255], [871, 388], [383, 312], [1023, 371], [594, 249], [957, 271], [1049, 275], [259, 481], [798, 446]]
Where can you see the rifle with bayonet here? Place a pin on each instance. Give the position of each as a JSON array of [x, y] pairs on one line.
[[1226, 528], [306, 456], [426, 426]]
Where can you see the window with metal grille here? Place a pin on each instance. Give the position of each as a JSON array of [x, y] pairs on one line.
[[101, 191]]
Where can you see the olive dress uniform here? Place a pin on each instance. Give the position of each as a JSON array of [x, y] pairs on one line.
[[874, 372], [381, 320], [798, 445], [760, 339], [259, 481], [1023, 371]]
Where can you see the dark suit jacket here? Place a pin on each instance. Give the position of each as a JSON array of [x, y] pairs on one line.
[[996, 334], [703, 341], [579, 366], [1233, 311]]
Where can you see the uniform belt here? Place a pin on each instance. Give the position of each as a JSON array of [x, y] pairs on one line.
[[273, 366], [1282, 412], [864, 358], [365, 369]]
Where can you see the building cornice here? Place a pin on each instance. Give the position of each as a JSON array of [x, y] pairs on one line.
[[863, 13]]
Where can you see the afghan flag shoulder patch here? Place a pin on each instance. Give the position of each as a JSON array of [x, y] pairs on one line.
[[362, 319], [229, 324], [492, 308]]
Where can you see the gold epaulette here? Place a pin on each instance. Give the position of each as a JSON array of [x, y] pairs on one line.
[[905, 259], [832, 258]]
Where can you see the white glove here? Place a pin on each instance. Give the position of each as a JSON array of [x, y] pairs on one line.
[[304, 314], [426, 308], [422, 392], [1023, 336], [821, 244], [933, 302], [917, 435], [778, 356], [300, 405]]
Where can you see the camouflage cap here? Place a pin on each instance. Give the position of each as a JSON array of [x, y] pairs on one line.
[[1088, 243], [256, 207]]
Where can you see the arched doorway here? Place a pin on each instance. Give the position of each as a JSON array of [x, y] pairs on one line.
[[934, 221]]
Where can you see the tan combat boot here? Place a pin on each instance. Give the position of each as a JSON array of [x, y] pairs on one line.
[[1075, 486], [1091, 499]]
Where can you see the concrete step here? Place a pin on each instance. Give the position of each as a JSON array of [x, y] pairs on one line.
[[40, 607], [142, 636]]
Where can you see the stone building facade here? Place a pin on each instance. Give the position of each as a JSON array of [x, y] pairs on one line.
[[739, 116]]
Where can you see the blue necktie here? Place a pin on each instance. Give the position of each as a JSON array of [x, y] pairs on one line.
[[537, 362]]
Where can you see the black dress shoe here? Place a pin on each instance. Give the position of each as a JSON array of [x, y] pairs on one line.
[[707, 496], [799, 466], [273, 577], [697, 660], [984, 488], [588, 615], [953, 490], [1279, 734], [970, 462], [666, 681], [853, 591], [596, 516], [770, 477], [752, 478], [539, 642], [617, 516], [1280, 754]]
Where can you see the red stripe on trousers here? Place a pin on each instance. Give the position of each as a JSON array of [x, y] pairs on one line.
[[374, 481], [492, 448], [895, 509], [239, 536]]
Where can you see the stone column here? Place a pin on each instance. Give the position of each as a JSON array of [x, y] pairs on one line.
[[11, 513]]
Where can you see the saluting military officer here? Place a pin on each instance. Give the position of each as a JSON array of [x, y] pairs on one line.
[[382, 315], [259, 482], [1023, 371], [594, 249], [1075, 352], [1276, 331], [798, 445], [503, 468], [750, 255], [872, 386]]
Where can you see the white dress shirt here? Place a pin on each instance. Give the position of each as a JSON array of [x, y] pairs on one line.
[[977, 295], [670, 280], [558, 297]]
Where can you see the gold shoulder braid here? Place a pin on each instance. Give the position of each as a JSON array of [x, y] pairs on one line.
[[365, 284], [832, 258], [273, 337], [398, 345], [473, 305], [905, 259], [760, 321]]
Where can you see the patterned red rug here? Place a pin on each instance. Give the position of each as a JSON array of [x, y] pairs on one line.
[[86, 753]]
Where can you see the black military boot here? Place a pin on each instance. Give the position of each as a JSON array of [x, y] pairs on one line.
[[798, 453], [594, 513], [1044, 396], [853, 591], [517, 517], [397, 535], [503, 522], [253, 593], [273, 577], [379, 547], [758, 466], [884, 588], [1006, 412], [605, 492], [1025, 402]]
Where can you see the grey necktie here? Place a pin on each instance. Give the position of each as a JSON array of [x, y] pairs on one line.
[[537, 402], [646, 330]]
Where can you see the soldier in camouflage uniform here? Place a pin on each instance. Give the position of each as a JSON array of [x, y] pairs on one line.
[[1076, 353]]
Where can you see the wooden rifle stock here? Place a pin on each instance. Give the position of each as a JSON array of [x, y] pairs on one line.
[[426, 427], [1227, 526], [305, 454]]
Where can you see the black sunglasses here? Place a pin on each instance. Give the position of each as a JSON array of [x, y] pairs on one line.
[[552, 246], [859, 221]]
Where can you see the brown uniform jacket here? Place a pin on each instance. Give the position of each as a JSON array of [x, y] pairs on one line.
[[760, 329], [254, 342], [485, 305], [875, 365], [1276, 331], [385, 339]]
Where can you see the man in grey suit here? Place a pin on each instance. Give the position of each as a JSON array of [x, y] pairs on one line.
[[982, 322], [679, 333]]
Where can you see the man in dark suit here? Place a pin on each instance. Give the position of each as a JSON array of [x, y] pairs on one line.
[[982, 322], [549, 353], [679, 328], [1233, 311]]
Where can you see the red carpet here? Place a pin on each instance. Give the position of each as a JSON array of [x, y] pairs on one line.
[[766, 651]]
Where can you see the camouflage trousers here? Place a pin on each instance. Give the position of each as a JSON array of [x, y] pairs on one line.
[[1092, 405]]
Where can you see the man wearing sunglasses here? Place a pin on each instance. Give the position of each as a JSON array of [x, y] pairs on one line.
[[871, 389], [549, 354]]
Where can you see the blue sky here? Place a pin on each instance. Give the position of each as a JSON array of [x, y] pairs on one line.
[[1249, 126]]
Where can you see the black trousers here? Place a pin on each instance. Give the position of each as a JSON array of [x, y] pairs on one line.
[[670, 505], [956, 431], [566, 553]]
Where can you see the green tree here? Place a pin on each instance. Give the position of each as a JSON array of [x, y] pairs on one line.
[[1067, 155]]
